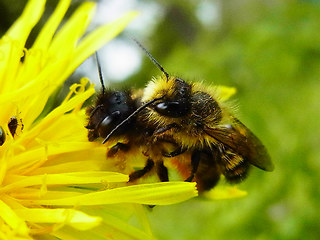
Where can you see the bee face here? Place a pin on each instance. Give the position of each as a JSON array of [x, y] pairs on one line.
[[185, 105], [110, 109], [176, 101], [180, 99]]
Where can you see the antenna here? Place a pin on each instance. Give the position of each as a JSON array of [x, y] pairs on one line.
[[139, 109], [100, 73], [151, 57]]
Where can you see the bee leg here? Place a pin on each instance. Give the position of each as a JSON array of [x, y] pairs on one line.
[[195, 159], [162, 172], [140, 173], [175, 153], [119, 146], [179, 150]]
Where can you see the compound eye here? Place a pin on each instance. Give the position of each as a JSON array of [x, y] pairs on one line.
[[172, 109], [106, 125]]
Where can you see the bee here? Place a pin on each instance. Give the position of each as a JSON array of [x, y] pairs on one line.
[[190, 117], [111, 108], [114, 115], [201, 123]]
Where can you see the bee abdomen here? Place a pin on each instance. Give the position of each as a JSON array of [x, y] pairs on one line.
[[235, 167], [208, 172]]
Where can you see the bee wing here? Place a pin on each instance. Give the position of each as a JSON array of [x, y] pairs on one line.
[[241, 140]]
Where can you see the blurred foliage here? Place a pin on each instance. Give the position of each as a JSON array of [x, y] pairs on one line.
[[269, 51]]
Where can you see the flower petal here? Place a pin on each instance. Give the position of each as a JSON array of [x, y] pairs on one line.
[[151, 194], [120, 228], [63, 179], [71, 217], [223, 192], [71, 32], [13, 220], [13, 42], [100, 36], [225, 92], [48, 30], [67, 106]]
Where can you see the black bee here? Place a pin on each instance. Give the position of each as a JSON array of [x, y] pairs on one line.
[[114, 115]]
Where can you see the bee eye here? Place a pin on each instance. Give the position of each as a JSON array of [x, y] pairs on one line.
[[107, 123], [172, 109]]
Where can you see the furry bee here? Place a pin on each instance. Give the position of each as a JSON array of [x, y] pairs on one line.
[[191, 117], [198, 121]]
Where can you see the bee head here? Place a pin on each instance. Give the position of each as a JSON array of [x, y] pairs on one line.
[[111, 108], [174, 96], [173, 93], [176, 102]]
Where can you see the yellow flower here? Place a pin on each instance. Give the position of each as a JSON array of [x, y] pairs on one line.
[[53, 182]]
